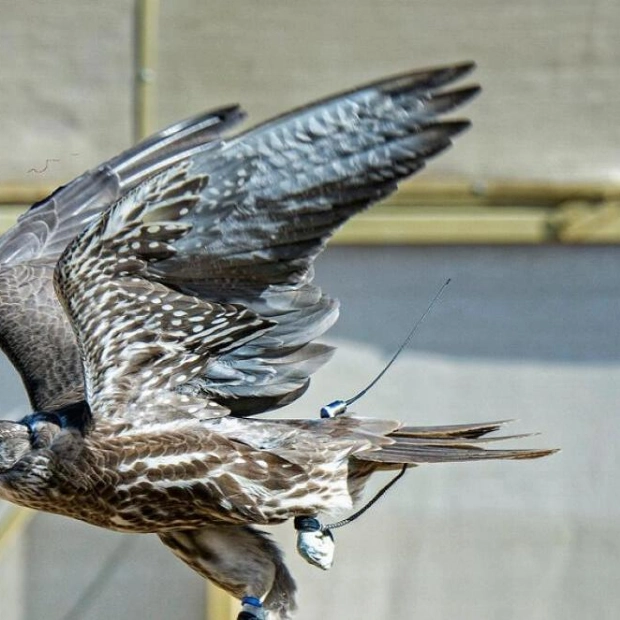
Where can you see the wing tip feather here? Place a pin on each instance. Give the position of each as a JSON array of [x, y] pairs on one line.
[[430, 78]]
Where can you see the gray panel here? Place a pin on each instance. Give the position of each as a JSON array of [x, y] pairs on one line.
[[527, 333], [77, 572], [528, 303]]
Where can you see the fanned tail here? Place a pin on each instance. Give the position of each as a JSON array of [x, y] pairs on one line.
[[445, 444]]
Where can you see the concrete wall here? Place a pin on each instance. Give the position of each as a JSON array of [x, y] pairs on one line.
[[66, 86], [549, 69], [531, 333]]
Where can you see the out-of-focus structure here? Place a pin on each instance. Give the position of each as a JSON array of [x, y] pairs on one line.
[[523, 214]]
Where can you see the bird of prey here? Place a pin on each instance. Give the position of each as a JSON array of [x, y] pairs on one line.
[[156, 304]]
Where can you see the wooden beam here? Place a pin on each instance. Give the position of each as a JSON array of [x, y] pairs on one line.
[[450, 225], [23, 194], [452, 211]]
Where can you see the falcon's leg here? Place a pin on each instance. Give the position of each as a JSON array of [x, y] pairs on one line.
[[243, 561]]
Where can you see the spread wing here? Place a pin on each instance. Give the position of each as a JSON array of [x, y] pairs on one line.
[[198, 283], [34, 331]]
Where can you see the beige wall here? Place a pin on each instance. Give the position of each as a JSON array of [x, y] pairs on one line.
[[550, 72], [531, 333], [65, 76]]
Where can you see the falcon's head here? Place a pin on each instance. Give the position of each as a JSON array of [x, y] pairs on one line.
[[14, 443]]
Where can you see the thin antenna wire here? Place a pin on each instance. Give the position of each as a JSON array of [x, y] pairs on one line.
[[372, 502], [402, 346]]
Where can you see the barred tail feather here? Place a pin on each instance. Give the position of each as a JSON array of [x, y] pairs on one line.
[[446, 444]]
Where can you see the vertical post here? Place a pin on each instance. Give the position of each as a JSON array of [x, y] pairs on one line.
[[145, 59], [219, 604], [12, 561], [12, 522]]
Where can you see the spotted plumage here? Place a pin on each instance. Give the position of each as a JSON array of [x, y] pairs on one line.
[[154, 304]]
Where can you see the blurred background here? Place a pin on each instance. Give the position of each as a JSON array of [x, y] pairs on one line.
[[523, 214]]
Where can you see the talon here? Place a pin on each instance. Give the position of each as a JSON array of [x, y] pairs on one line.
[[251, 609], [315, 544]]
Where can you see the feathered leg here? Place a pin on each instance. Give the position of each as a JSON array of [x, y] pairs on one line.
[[241, 560]]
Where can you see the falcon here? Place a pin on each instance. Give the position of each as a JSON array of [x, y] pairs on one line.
[[154, 305]]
